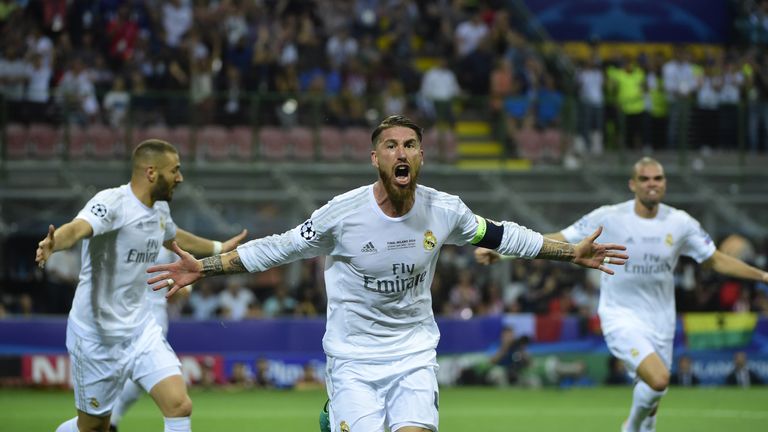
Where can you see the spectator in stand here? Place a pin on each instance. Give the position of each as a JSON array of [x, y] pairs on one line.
[[116, 103], [76, 95], [235, 299], [591, 86], [38, 94], [679, 80], [469, 34], [61, 276], [629, 82], [122, 32], [684, 376], [13, 80], [203, 301], [464, 297], [279, 303], [177, 20], [729, 98], [341, 47], [757, 121], [742, 375], [439, 87]]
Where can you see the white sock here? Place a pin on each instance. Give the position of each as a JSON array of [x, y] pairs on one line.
[[68, 426], [129, 396], [178, 424], [644, 400]]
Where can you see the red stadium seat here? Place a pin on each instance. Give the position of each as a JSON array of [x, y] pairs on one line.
[[242, 143], [77, 146], [44, 141], [181, 138], [16, 141], [358, 143], [151, 132], [273, 143], [552, 146], [529, 144], [440, 144], [104, 141], [331, 144], [302, 143], [213, 143]]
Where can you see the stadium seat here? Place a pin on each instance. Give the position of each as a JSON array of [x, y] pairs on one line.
[[77, 143], [440, 144], [529, 144], [331, 144], [242, 143], [151, 132], [551, 143], [181, 138], [104, 141], [16, 141], [44, 141], [213, 143], [358, 143], [302, 143], [273, 143]]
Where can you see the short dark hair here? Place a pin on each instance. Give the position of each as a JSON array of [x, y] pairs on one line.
[[394, 121], [150, 149]]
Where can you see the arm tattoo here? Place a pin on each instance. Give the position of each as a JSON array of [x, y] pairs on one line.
[[212, 266], [237, 265], [556, 250]]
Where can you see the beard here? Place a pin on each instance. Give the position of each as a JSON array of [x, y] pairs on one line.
[[397, 194], [163, 190]]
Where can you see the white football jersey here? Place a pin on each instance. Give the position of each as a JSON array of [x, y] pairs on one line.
[[156, 300], [642, 292], [110, 301], [379, 269]]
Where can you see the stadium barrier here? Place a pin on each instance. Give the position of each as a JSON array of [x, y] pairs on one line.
[[32, 351]]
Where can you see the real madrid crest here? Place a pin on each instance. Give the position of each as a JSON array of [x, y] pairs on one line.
[[430, 241], [344, 426], [668, 240]]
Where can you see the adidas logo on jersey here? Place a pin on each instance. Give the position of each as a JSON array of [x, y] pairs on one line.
[[369, 248]]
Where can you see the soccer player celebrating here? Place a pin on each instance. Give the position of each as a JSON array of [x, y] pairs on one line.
[[111, 334], [637, 305], [382, 242]]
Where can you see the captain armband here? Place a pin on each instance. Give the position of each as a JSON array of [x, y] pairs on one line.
[[488, 234]]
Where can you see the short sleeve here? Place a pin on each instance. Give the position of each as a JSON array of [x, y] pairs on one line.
[[586, 225], [102, 211], [697, 243]]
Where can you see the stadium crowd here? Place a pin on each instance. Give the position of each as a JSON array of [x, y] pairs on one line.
[[461, 289], [178, 61], [348, 63]]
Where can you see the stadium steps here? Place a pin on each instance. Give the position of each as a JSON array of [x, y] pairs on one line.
[[478, 150]]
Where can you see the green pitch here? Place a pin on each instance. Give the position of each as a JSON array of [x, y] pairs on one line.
[[461, 409]]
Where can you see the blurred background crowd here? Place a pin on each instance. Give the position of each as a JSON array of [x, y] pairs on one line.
[[77, 65]]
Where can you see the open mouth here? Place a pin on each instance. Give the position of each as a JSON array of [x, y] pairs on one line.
[[402, 174]]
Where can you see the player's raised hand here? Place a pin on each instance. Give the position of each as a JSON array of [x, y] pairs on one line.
[[487, 256], [598, 255], [175, 276], [45, 247], [234, 241]]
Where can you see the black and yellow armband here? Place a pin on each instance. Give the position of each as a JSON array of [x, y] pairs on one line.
[[488, 234]]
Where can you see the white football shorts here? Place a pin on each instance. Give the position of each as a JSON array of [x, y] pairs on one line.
[[632, 345], [100, 370], [367, 395]]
